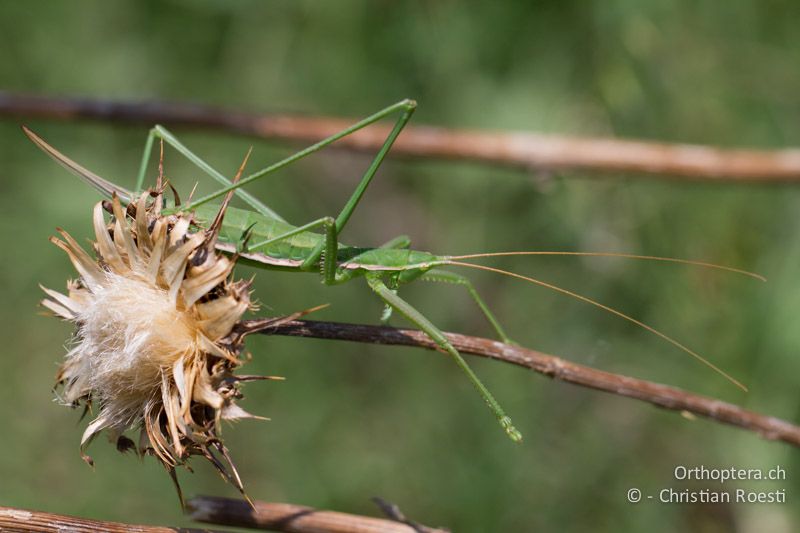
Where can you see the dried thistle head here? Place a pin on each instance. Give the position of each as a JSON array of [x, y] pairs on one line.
[[156, 342]]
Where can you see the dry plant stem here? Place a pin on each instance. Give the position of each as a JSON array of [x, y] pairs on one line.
[[661, 395], [14, 520], [290, 518], [517, 149]]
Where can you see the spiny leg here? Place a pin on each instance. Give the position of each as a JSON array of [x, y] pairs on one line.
[[329, 226], [387, 295], [329, 247], [406, 106], [450, 277], [163, 134]]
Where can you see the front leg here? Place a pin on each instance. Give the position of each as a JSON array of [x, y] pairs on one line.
[[328, 251]]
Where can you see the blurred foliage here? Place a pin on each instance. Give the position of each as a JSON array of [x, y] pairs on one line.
[[355, 421]]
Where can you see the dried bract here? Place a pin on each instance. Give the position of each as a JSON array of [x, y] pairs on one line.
[[155, 347]]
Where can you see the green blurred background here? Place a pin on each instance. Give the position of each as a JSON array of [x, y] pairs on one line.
[[353, 421]]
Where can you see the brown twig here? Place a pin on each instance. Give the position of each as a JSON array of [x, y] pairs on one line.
[[392, 510], [289, 517], [661, 395], [517, 149], [17, 520]]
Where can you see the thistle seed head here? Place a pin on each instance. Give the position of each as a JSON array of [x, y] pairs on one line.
[[155, 346]]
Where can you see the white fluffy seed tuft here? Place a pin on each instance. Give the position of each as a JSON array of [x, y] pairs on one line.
[[155, 348], [129, 331]]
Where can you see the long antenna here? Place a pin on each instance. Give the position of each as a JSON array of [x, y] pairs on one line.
[[623, 255], [610, 310]]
